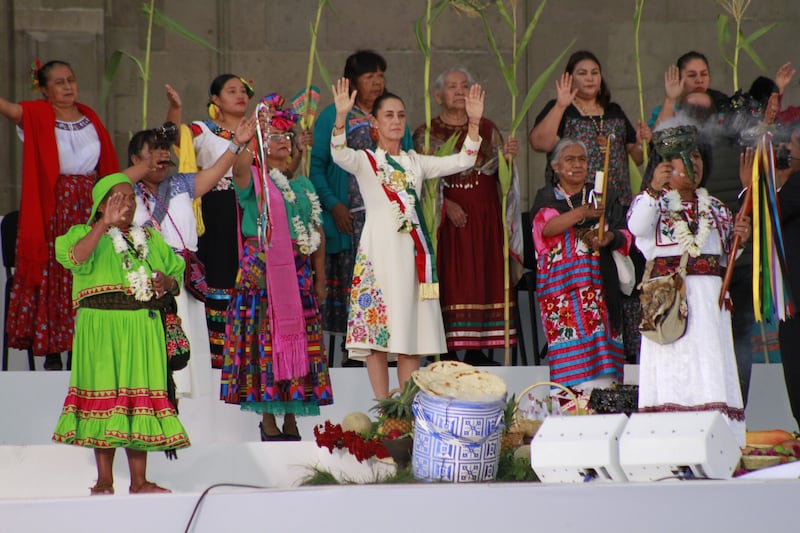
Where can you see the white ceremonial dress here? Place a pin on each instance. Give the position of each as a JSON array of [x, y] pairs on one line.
[[386, 312], [697, 372]]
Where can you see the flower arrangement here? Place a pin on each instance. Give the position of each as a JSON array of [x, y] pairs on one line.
[[332, 436]]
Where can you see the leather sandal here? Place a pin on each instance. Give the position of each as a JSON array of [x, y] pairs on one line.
[[101, 490], [148, 487]]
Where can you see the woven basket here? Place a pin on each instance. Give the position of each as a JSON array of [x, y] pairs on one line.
[[756, 462], [578, 411]]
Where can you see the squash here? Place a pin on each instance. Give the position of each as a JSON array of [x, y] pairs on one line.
[[769, 437]]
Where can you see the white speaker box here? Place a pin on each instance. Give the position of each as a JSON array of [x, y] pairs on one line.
[[575, 449], [657, 446]]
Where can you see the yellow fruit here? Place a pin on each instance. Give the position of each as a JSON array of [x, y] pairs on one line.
[[400, 424]]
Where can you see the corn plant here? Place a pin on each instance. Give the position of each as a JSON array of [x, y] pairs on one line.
[[509, 15], [637, 22], [154, 16], [307, 121], [422, 30], [737, 8]]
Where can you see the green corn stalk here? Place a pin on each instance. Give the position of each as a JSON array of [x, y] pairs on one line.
[[430, 190], [637, 22], [737, 8], [308, 121], [505, 163], [422, 31], [154, 16]]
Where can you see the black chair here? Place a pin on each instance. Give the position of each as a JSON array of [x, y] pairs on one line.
[[8, 235], [527, 283]]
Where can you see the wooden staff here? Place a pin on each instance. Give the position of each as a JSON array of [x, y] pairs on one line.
[[747, 206], [605, 187]]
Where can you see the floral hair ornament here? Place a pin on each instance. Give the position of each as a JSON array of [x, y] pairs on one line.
[[36, 66], [677, 143], [248, 86], [281, 119]]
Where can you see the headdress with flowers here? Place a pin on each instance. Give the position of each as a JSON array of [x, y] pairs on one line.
[[281, 119]]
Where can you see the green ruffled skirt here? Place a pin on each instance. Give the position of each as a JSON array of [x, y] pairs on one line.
[[118, 387]]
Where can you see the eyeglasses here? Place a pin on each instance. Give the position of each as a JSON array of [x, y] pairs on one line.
[[278, 137]]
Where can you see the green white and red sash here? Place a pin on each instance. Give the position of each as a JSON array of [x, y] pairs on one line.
[[412, 222]]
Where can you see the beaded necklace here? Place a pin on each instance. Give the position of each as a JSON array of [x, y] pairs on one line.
[[601, 139]]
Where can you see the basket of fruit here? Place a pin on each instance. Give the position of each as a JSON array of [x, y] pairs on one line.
[[769, 448]]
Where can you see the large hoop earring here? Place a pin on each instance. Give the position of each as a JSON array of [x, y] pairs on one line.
[[213, 111]]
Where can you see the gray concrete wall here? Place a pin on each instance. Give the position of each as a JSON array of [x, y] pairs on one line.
[[267, 41]]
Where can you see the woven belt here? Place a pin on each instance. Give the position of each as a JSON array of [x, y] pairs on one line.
[[703, 265], [120, 301]]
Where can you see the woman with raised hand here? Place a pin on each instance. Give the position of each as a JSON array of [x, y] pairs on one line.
[[228, 98], [117, 394], [342, 204], [274, 361], [394, 305], [470, 245], [164, 203], [65, 149]]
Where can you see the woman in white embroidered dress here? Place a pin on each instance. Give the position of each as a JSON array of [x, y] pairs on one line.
[[394, 305], [165, 204], [674, 215]]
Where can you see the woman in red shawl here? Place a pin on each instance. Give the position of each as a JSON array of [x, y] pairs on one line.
[[66, 148]]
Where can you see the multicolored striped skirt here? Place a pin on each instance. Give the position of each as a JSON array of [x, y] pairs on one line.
[[247, 374]]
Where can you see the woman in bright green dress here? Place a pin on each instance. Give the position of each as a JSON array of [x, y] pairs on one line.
[[118, 387]]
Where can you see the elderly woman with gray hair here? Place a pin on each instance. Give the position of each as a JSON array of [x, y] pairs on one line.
[[577, 283], [470, 245]]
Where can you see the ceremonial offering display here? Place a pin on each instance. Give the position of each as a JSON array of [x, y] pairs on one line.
[[459, 422], [769, 448]]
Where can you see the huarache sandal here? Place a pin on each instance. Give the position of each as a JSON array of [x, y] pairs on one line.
[[101, 490], [265, 437], [148, 487]]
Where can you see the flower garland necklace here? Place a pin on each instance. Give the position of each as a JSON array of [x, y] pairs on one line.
[[688, 241], [138, 279], [307, 235], [398, 182]]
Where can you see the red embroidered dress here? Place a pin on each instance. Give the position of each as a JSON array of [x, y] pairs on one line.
[[61, 162], [470, 259]]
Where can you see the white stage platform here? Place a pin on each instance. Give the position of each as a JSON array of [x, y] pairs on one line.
[[44, 486]]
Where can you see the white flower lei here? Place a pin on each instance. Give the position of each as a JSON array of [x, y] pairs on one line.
[[138, 279], [307, 235], [140, 284], [403, 220], [691, 243], [390, 177]]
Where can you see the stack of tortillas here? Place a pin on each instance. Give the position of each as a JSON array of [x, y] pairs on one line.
[[459, 381]]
